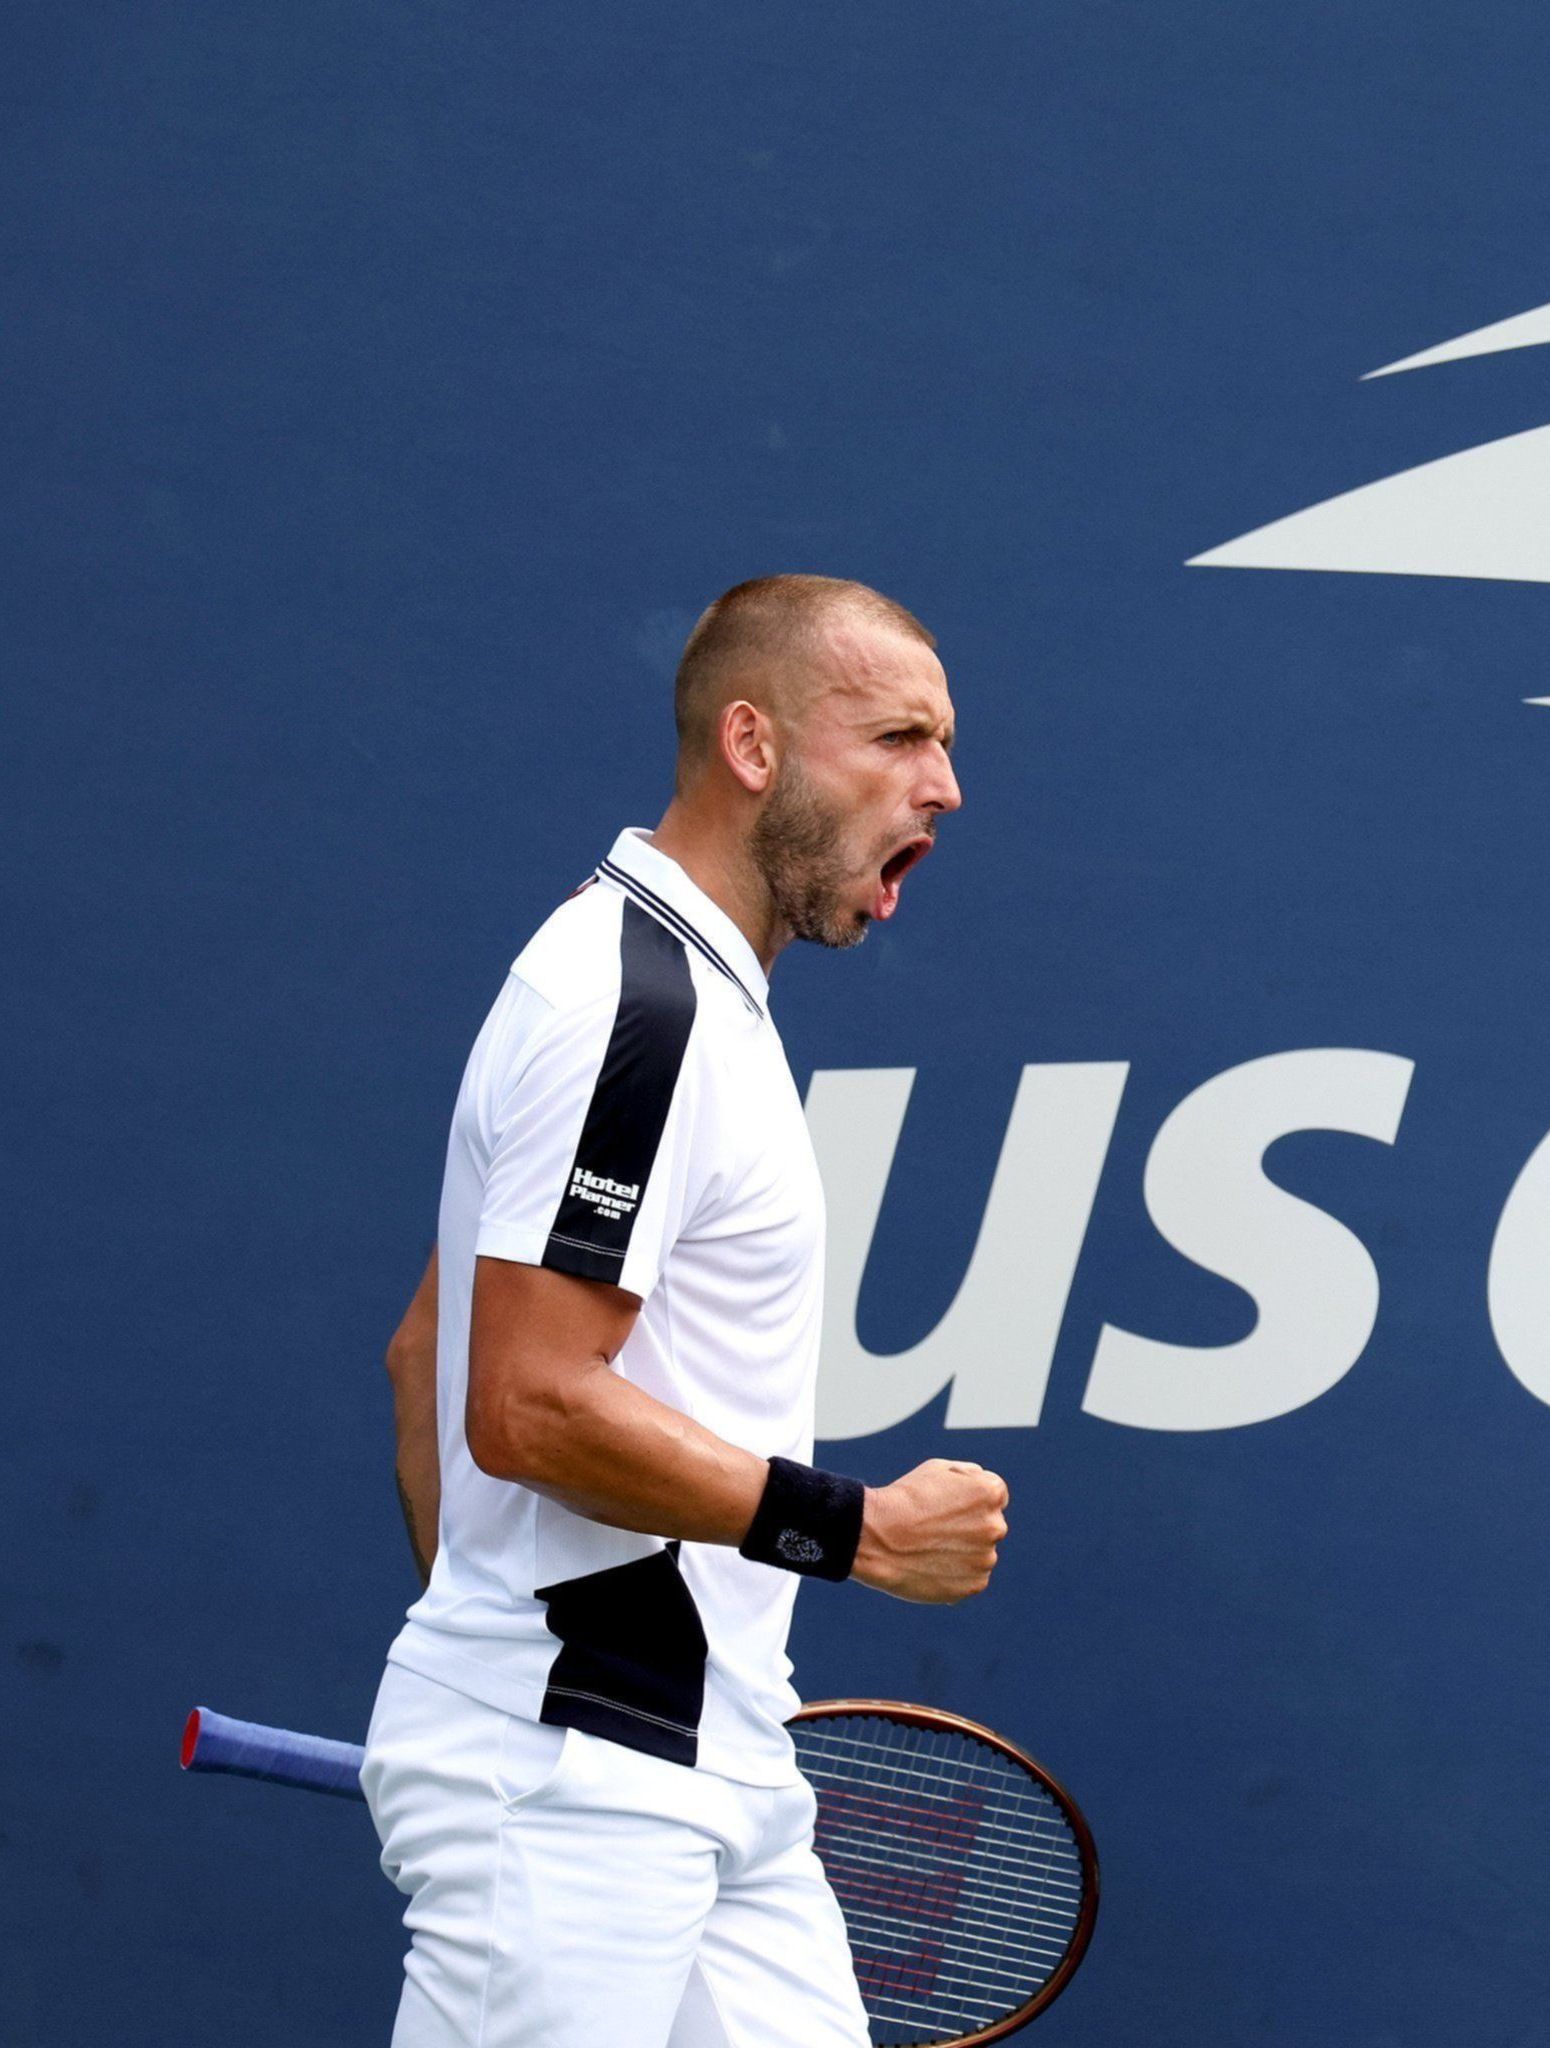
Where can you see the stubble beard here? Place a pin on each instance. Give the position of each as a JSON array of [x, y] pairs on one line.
[[796, 846]]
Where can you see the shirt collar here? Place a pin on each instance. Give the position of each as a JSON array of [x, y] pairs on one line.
[[658, 884]]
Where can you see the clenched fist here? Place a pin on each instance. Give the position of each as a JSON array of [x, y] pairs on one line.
[[932, 1535]]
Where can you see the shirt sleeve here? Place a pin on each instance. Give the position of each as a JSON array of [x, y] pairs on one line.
[[596, 1164]]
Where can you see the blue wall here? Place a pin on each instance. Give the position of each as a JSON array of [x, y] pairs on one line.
[[386, 387]]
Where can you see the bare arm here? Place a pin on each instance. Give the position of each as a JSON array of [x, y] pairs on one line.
[[545, 1409], [411, 1364]]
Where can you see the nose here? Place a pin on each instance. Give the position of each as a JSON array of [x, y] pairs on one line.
[[939, 789]]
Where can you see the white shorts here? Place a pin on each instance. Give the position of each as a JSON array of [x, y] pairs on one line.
[[566, 1892]]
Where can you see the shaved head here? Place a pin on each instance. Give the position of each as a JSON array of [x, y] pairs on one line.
[[765, 641]]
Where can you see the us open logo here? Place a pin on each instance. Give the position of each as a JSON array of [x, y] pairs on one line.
[[1477, 513], [1315, 1285]]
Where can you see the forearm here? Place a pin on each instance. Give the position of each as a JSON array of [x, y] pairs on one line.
[[417, 1470], [411, 1364], [546, 1410], [609, 1451]]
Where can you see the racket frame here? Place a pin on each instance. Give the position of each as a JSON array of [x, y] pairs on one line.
[[937, 1720]]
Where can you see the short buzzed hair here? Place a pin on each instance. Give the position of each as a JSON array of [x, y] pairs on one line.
[[762, 624]]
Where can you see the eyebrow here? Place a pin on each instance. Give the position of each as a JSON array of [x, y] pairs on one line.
[[923, 726]]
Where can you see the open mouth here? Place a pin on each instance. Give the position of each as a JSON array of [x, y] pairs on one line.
[[895, 868]]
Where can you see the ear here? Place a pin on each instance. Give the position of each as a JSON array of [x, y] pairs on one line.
[[746, 737]]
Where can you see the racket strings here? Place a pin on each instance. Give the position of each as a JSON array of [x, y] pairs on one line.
[[959, 1876]]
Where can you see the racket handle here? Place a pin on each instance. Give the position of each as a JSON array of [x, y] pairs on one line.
[[215, 1742]]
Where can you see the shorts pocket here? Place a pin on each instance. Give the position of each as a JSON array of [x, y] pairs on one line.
[[534, 1760]]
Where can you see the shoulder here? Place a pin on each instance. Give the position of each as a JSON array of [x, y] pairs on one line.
[[599, 951], [572, 960]]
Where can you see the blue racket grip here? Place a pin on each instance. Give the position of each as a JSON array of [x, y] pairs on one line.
[[215, 1742]]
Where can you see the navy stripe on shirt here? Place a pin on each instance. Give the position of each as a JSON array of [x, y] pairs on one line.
[[630, 1102]]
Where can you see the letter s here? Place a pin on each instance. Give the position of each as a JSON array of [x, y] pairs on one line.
[[1314, 1284]]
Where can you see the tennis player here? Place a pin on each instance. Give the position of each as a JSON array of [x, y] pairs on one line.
[[578, 1763]]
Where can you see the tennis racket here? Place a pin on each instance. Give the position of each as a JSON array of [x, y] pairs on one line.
[[966, 1874]]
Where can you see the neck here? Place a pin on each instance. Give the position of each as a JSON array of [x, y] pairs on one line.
[[714, 854]]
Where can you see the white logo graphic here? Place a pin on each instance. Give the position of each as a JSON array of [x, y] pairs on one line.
[[612, 1197], [1483, 512], [1313, 1282]]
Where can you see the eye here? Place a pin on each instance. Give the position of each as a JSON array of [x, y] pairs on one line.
[[889, 737]]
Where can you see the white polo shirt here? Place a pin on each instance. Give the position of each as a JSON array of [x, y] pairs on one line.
[[627, 1114]]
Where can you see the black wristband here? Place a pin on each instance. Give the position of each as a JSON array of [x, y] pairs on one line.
[[807, 1521]]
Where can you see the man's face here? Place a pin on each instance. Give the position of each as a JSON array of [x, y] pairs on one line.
[[863, 778]]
